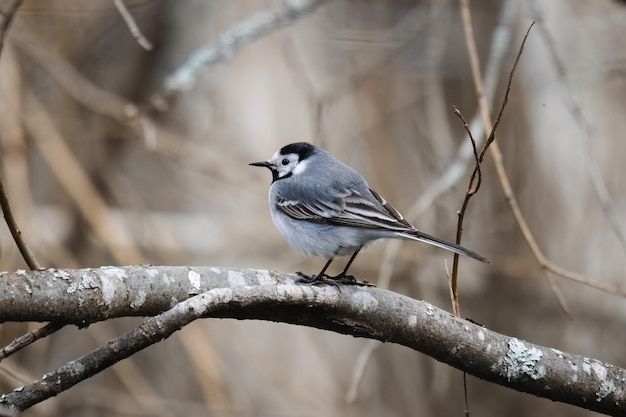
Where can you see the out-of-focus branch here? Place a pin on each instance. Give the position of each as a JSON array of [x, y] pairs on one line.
[[7, 20], [81, 89], [249, 294], [249, 30], [27, 254], [578, 117], [132, 25], [78, 185]]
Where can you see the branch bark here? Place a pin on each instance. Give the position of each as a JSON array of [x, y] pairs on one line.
[[87, 295]]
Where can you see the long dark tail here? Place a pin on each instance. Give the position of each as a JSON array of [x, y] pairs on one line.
[[423, 237]]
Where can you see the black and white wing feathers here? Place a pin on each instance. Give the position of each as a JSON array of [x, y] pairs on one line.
[[351, 208]]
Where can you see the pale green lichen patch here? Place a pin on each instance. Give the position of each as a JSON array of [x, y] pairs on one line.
[[607, 384], [607, 387], [86, 282], [521, 360]]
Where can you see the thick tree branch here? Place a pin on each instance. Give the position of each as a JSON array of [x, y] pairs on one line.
[[83, 296]]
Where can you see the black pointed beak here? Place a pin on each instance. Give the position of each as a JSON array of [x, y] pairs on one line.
[[265, 164]]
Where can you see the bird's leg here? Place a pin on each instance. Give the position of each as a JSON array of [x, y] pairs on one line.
[[350, 279], [343, 273], [313, 279]]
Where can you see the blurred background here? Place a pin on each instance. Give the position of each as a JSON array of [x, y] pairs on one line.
[[374, 83]]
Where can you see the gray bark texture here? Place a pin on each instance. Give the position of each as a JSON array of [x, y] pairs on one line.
[[175, 296]]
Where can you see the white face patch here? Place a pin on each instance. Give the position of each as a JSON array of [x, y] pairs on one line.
[[285, 164], [300, 167]]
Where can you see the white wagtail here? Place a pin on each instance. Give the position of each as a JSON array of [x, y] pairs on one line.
[[324, 208]]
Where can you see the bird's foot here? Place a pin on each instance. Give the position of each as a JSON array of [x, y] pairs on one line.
[[317, 280], [351, 280], [314, 279], [334, 281]]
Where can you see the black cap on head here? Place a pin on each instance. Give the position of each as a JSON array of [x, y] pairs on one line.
[[302, 149]]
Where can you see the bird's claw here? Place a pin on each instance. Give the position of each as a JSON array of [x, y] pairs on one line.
[[351, 280], [315, 279], [334, 281]]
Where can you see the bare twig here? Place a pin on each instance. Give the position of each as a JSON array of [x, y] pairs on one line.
[[473, 187], [26, 339], [492, 135], [362, 312], [254, 27], [132, 25], [131, 378], [515, 209], [27, 254]]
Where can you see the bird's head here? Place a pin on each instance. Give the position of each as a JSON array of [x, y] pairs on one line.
[[290, 160]]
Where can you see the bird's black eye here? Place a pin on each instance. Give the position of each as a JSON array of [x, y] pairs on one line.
[[285, 161]]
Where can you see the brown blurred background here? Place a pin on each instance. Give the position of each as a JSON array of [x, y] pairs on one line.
[[371, 81]]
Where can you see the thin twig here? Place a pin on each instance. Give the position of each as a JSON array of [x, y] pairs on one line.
[[472, 188], [132, 25], [26, 339], [492, 135], [477, 169], [27, 254]]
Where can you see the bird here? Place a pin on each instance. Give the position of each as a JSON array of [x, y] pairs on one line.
[[325, 208]]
